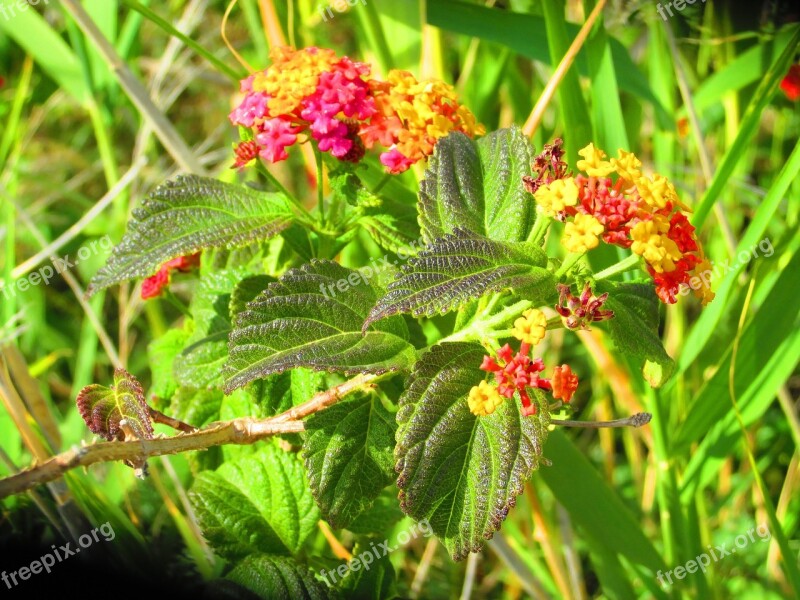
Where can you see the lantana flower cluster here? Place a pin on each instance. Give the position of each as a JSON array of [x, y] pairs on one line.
[[333, 100], [515, 373], [631, 210]]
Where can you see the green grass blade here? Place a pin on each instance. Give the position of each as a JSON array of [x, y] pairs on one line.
[[747, 129], [712, 314], [580, 488]]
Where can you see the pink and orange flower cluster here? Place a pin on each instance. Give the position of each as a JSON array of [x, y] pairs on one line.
[[630, 210], [314, 93]]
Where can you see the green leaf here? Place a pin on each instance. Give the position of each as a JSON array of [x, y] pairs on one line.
[[103, 408], [187, 215], [634, 327], [200, 364], [258, 503], [461, 472], [756, 378], [478, 186], [277, 577], [393, 226], [460, 267], [247, 290], [748, 127], [44, 43], [196, 407], [161, 354], [348, 455], [384, 513], [312, 318]]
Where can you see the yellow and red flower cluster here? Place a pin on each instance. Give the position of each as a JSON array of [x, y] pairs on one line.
[[335, 102], [515, 373], [634, 211]]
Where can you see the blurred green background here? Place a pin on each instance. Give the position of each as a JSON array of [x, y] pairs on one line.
[[102, 100]]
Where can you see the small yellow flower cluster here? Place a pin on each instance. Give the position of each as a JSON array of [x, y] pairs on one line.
[[581, 234], [530, 327], [484, 399], [554, 198], [593, 163], [651, 242]]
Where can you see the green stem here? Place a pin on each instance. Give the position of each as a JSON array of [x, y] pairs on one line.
[[570, 261], [386, 178], [620, 267], [320, 190], [539, 229], [478, 330], [280, 187], [176, 302], [371, 22]]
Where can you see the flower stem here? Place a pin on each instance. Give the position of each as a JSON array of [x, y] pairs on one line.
[[539, 229], [384, 180], [637, 420], [170, 297], [570, 261], [320, 189], [478, 330], [620, 267], [280, 187]]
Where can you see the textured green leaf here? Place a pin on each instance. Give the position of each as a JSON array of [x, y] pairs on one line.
[[390, 232], [460, 267], [506, 156], [312, 318], [478, 186], [348, 455], [200, 364], [196, 407], [461, 472], [258, 503], [452, 192], [384, 512], [103, 408], [187, 215], [634, 327], [277, 578], [247, 290]]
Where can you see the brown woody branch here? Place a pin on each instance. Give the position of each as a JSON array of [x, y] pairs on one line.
[[241, 431]]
